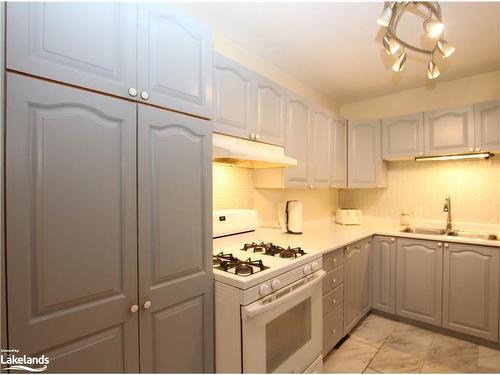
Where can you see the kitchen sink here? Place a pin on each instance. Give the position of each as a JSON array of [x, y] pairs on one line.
[[479, 235], [416, 230], [455, 233]]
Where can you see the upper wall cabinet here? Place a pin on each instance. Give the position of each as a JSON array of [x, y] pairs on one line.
[[321, 150], [247, 105], [95, 46], [298, 128], [403, 137], [339, 153], [487, 123], [449, 131], [232, 98], [174, 66], [365, 164]]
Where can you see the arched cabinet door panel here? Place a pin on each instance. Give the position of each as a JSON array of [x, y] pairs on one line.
[[71, 226], [487, 123], [174, 60], [92, 45], [175, 242], [384, 274]]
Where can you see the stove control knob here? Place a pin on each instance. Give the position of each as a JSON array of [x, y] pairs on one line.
[[307, 269], [265, 290], [276, 284], [315, 266]]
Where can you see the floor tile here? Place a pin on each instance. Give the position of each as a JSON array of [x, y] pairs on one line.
[[394, 361], [352, 357], [369, 370], [411, 340], [373, 330], [452, 355]]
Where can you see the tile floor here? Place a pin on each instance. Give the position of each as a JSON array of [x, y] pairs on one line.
[[379, 345]]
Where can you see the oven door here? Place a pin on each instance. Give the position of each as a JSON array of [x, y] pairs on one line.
[[283, 331]]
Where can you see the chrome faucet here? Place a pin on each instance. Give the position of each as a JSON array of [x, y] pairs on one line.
[[447, 208]]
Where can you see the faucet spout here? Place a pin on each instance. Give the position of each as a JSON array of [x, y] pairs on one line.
[[447, 208]]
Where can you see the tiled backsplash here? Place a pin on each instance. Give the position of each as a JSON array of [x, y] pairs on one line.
[[474, 187], [232, 187]]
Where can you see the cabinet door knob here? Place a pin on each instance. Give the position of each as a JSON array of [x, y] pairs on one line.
[[446, 245], [333, 331], [256, 136], [144, 95], [420, 153], [134, 308], [334, 281], [132, 92], [251, 136], [311, 186], [440, 244], [378, 185], [478, 148], [393, 239], [334, 301], [332, 186], [334, 260], [147, 305], [471, 148]]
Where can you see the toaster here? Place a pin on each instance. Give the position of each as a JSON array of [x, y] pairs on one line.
[[348, 216]]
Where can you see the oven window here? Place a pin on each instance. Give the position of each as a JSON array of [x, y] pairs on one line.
[[287, 333]]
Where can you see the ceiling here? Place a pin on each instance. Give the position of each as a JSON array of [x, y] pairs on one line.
[[335, 47]]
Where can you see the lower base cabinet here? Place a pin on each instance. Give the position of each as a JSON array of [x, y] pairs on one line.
[[333, 329], [470, 289], [419, 280], [384, 274]]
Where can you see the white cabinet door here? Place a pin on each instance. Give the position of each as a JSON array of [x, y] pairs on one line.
[[92, 45], [271, 111], [297, 140], [233, 99], [365, 165], [470, 289], [487, 124], [339, 153], [384, 274], [352, 286], [449, 131], [419, 280], [320, 168], [174, 60], [366, 275], [403, 137]]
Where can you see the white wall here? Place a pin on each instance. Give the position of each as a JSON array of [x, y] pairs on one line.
[[479, 88]]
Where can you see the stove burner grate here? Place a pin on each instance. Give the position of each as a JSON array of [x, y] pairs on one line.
[[274, 250], [229, 263]]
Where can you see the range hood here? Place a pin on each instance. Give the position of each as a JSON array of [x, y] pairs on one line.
[[248, 154]]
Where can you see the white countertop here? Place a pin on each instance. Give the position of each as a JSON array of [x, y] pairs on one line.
[[324, 235]]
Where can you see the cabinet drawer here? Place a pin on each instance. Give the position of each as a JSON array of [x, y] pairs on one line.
[[333, 299], [333, 279], [333, 259], [333, 330]]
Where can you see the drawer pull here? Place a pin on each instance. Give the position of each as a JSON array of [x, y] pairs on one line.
[[334, 281], [334, 301], [334, 260], [333, 331]]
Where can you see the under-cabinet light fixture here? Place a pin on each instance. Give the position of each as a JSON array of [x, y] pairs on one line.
[[480, 155]]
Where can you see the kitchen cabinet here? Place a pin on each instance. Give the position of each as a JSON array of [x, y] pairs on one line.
[[333, 299], [174, 64], [449, 131], [86, 173], [92, 45], [71, 188], [419, 280], [148, 52], [338, 156], [470, 289], [175, 242], [366, 169], [357, 283], [321, 148], [384, 274], [487, 126], [297, 141], [403, 137], [247, 105]]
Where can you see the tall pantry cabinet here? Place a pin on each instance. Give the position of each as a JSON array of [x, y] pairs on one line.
[[108, 200]]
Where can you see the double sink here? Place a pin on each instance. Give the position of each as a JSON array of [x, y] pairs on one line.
[[453, 233]]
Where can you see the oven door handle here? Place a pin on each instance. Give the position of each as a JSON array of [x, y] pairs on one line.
[[260, 308]]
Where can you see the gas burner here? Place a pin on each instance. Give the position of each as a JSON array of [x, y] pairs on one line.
[[239, 267], [257, 248], [294, 252], [221, 257]]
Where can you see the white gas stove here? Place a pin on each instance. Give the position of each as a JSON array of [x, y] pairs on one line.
[[267, 300]]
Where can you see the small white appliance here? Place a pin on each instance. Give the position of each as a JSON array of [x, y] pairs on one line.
[[268, 301], [290, 216], [348, 216]]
